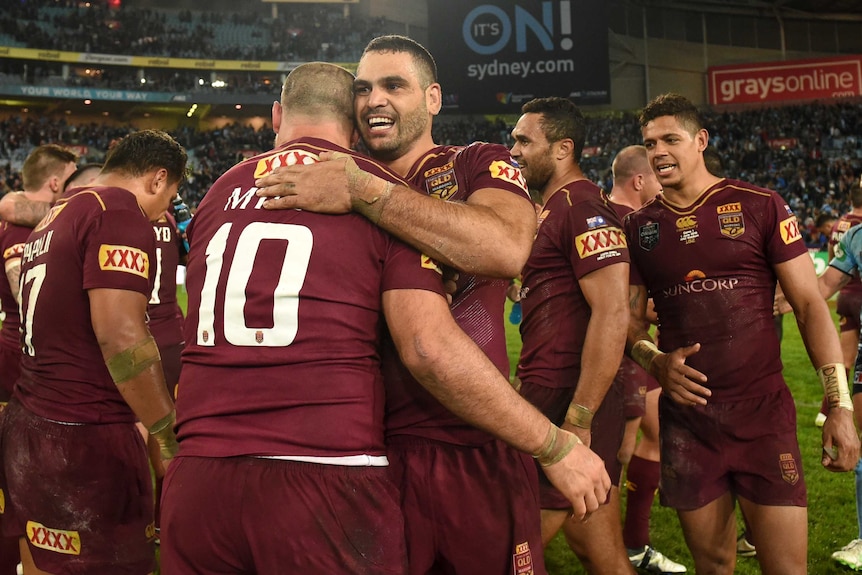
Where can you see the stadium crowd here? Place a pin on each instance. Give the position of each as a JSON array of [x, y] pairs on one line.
[[808, 153]]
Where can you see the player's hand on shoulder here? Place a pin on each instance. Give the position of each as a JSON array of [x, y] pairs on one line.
[[322, 187], [680, 382], [582, 478], [840, 442]]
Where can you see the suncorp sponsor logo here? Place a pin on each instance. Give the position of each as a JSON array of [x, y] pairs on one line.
[[696, 282], [770, 82]]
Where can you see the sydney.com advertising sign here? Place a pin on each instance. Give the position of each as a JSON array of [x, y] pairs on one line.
[[494, 56], [799, 80]]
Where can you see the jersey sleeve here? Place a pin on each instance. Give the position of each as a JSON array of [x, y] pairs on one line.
[[847, 251], [406, 268], [492, 166], [782, 235], [119, 250], [597, 237]]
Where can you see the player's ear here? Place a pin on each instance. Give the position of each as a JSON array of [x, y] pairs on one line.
[[276, 116], [159, 181], [564, 147], [434, 98], [702, 139]]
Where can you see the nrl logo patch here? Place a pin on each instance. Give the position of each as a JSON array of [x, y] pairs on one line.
[[648, 236], [789, 471]]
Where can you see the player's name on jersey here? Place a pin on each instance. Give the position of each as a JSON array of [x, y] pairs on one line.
[[37, 247], [239, 200]]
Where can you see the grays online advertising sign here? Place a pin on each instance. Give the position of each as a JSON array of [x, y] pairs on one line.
[[494, 56]]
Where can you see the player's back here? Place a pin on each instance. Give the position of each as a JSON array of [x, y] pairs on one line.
[[283, 322], [97, 239]]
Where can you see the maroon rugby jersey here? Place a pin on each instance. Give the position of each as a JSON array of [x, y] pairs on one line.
[[839, 228], [284, 320], [165, 315], [579, 233], [708, 268], [98, 238], [12, 240], [453, 173]]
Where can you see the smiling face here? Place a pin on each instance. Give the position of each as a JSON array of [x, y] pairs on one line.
[[533, 151], [674, 152], [393, 110]]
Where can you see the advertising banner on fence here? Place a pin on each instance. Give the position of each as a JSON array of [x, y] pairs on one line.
[[797, 80], [493, 56]]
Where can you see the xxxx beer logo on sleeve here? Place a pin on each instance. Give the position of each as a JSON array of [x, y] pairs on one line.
[[57, 540], [508, 173], [15, 251], [789, 229], [429, 264], [124, 259], [598, 241]]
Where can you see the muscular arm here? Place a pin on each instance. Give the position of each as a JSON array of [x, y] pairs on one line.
[[800, 284], [13, 274], [606, 291], [16, 208], [450, 365], [491, 234], [118, 322], [831, 281]]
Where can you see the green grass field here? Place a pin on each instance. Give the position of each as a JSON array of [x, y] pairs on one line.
[[831, 501]]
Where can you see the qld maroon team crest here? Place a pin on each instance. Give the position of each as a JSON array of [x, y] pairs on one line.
[[789, 470], [441, 182], [730, 220], [648, 236], [522, 559]]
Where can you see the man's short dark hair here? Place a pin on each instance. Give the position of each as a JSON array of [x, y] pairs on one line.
[[561, 119], [422, 57], [144, 151], [674, 105]]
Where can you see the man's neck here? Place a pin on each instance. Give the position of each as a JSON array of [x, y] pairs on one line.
[[560, 178], [40, 195], [624, 197], [856, 211], [689, 192], [406, 161]]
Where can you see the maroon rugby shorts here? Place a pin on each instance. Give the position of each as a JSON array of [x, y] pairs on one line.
[[606, 437], [468, 510], [848, 306], [747, 447], [635, 383], [80, 494], [254, 515]]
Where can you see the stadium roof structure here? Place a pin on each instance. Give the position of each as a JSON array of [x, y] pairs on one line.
[[808, 9]]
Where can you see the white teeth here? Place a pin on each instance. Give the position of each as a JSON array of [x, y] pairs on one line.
[[665, 168], [379, 122]]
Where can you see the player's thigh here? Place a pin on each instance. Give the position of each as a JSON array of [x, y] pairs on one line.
[[780, 534], [710, 534]]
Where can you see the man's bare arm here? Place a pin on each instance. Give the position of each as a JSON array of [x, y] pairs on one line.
[[453, 368], [13, 275], [800, 285], [606, 292], [118, 318], [491, 234], [16, 208]]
